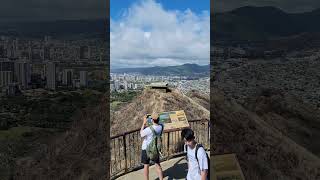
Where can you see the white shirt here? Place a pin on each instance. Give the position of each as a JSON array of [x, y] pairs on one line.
[[194, 170], [147, 135]]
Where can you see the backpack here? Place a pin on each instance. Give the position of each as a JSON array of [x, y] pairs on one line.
[[154, 149], [196, 155]]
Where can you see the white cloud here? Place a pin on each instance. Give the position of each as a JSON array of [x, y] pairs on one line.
[[149, 35]]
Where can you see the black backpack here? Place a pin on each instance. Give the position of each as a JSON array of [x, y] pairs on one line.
[[196, 155]]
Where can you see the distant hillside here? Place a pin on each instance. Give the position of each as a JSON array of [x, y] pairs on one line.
[[200, 98], [79, 153], [59, 28], [274, 135], [182, 70], [259, 23]]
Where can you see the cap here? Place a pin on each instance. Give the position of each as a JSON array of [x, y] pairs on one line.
[[155, 116]]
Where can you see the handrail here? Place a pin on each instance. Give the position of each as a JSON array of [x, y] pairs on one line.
[[126, 147], [171, 130]]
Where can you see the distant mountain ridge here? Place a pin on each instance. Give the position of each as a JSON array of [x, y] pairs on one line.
[[181, 70], [260, 23]]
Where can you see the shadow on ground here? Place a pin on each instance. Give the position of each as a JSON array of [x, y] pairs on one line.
[[176, 171]]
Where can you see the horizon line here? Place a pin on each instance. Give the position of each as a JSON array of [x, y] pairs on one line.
[[157, 66]]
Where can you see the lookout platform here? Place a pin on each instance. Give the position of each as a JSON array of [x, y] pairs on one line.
[[222, 167], [172, 169]]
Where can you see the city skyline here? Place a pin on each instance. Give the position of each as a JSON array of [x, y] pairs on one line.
[[122, 82], [50, 64]]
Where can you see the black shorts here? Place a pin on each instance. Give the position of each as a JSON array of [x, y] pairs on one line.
[[146, 160]]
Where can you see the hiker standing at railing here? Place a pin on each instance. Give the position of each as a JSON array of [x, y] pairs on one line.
[[150, 149]]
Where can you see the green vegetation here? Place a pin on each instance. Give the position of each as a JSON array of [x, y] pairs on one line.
[[126, 96], [46, 111], [14, 133], [115, 105], [20, 132], [118, 98], [27, 122], [20, 142], [99, 85]]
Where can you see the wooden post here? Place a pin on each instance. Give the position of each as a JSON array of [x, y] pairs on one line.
[[125, 153], [168, 145]]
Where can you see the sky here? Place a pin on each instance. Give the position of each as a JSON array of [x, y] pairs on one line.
[[48, 10], [146, 33], [86, 9], [119, 6]]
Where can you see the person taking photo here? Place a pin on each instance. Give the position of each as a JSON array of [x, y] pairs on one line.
[[150, 146]]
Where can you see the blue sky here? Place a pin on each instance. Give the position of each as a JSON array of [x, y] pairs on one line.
[[147, 33], [118, 6]]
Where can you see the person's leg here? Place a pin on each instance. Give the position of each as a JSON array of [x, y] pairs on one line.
[[145, 161], [146, 171], [159, 171]]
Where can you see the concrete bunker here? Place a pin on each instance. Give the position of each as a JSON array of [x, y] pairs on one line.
[[160, 86]]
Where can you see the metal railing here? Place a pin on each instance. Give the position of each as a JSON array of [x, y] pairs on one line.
[[126, 148]]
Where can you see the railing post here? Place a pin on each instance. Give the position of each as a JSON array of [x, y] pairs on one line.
[[208, 137], [125, 153], [168, 145]]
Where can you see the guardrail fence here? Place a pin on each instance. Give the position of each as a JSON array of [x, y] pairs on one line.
[[126, 148]]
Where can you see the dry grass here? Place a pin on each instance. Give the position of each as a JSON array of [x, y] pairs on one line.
[[129, 117], [80, 153]]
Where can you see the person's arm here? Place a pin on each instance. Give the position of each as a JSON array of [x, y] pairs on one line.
[[203, 162], [185, 150], [143, 125], [204, 174]]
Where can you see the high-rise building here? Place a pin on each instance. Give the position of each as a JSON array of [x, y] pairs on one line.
[[116, 84], [6, 65], [13, 89], [125, 85], [135, 86], [76, 83], [47, 40], [85, 52], [112, 87], [67, 77], [46, 53], [2, 51], [6, 73], [5, 78], [51, 76], [130, 85], [22, 72], [83, 78]]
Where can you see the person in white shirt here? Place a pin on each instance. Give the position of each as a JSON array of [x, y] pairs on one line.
[[197, 166], [147, 135]]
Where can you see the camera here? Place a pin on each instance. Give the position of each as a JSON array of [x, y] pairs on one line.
[[149, 119]]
